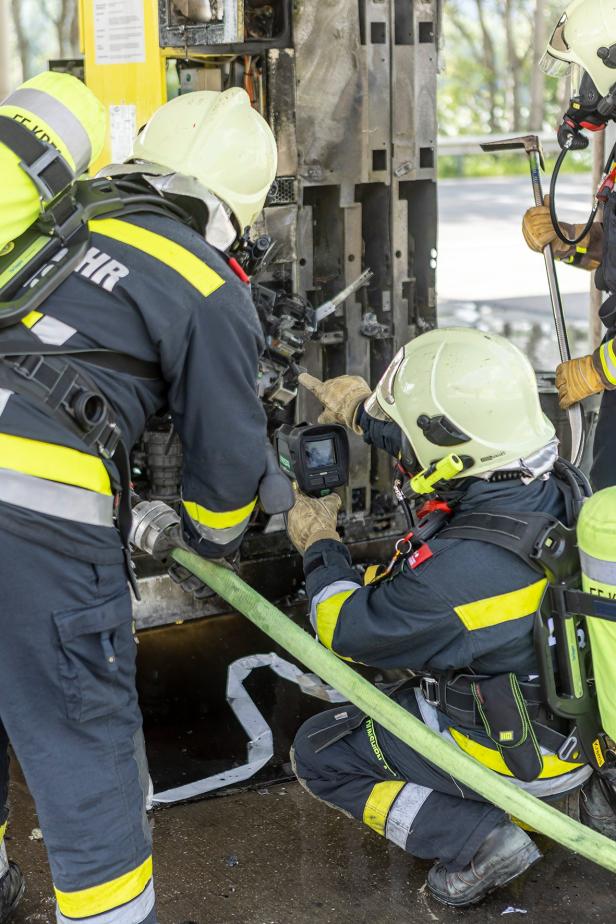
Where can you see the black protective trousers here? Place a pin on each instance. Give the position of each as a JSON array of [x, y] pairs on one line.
[[377, 779], [603, 474], [68, 706]]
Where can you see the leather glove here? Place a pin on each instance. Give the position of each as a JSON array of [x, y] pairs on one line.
[[311, 519], [189, 583], [578, 379], [340, 397], [538, 232]]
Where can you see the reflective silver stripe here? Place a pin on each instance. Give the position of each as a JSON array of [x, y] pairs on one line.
[[132, 913], [599, 570], [403, 813], [5, 394], [52, 331], [60, 118], [338, 587], [556, 784], [55, 499], [221, 536], [4, 860], [609, 368]]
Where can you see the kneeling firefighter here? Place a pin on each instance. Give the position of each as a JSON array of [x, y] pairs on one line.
[[584, 46], [456, 609], [153, 317]]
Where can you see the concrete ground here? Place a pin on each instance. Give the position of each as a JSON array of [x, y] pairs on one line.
[[277, 856]]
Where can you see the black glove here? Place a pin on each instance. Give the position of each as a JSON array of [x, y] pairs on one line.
[[189, 583]]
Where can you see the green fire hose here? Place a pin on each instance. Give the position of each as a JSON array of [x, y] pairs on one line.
[[394, 718]]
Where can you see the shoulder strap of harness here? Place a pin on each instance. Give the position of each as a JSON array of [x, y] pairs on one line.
[[42, 162], [540, 540]]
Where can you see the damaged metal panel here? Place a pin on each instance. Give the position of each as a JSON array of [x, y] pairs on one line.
[[331, 89]]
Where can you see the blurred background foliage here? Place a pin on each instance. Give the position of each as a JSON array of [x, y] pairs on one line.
[[490, 81]]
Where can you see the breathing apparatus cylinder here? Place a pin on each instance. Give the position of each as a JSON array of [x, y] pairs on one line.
[[596, 533], [62, 112]]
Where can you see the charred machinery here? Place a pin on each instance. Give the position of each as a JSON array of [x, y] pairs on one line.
[[342, 266]]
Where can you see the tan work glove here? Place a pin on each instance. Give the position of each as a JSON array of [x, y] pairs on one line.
[[538, 232], [311, 519], [341, 397], [578, 379]]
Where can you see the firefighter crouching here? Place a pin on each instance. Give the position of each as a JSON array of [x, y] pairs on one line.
[[456, 611], [167, 323]]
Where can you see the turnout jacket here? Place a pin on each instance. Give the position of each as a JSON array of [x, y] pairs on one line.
[[459, 606], [152, 288]]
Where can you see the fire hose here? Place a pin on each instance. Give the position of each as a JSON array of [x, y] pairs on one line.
[[149, 529]]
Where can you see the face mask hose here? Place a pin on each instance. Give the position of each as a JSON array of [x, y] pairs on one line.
[[590, 112]]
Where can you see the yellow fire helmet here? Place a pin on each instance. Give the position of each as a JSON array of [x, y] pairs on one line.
[[585, 38], [458, 390], [59, 110], [218, 139]]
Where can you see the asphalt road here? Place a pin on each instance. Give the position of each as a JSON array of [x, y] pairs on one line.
[[482, 256]]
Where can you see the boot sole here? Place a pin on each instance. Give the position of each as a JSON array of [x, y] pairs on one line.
[[506, 875]]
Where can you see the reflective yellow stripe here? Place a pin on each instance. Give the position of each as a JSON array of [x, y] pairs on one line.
[[495, 610], [106, 896], [379, 803], [327, 616], [54, 463], [2, 831], [31, 319], [608, 361], [582, 249], [489, 757], [194, 270], [218, 520]]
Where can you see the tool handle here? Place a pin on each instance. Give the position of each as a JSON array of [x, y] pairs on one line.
[[535, 175], [576, 414]]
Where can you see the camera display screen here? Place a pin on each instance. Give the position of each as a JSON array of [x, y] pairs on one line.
[[320, 454]]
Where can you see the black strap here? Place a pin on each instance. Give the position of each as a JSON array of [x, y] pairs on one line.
[[579, 603], [41, 161], [539, 540], [106, 359], [456, 701], [51, 385]]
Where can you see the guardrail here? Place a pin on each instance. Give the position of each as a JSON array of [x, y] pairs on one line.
[[464, 145]]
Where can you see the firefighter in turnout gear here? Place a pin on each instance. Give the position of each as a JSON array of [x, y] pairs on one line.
[[155, 318], [583, 45], [454, 613]]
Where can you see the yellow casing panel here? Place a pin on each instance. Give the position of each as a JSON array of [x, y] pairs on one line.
[[141, 85]]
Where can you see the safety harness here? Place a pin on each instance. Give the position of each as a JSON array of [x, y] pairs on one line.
[[557, 710], [58, 241]]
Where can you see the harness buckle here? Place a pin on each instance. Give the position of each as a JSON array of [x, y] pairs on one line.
[[107, 443], [430, 690], [39, 167], [27, 366], [569, 747]]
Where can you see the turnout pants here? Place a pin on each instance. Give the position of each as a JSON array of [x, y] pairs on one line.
[[68, 706], [374, 777], [603, 474]]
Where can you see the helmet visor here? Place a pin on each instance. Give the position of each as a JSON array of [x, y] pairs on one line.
[[554, 67], [550, 64]]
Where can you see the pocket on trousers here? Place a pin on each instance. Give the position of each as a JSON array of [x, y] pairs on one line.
[[96, 658]]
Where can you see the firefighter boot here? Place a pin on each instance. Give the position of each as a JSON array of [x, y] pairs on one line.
[[12, 888], [506, 853]]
